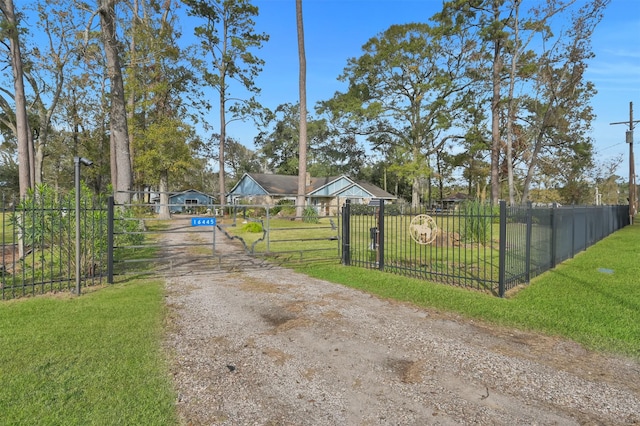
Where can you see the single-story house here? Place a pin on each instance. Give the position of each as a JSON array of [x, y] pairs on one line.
[[326, 194], [186, 201]]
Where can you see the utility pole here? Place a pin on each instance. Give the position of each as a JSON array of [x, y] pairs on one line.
[[633, 208]]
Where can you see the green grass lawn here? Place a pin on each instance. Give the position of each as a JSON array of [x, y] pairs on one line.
[[296, 240], [93, 360]]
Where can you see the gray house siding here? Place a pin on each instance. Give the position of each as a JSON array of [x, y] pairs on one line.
[[184, 201], [325, 194]]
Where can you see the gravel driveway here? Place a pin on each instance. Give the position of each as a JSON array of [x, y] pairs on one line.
[[255, 344]]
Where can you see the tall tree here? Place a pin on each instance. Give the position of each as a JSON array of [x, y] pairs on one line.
[[48, 69], [25, 149], [302, 139], [278, 141], [156, 82], [406, 91], [121, 171], [504, 34], [331, 151], [559, 116], [238, 159], [165, 151], [227, 36]]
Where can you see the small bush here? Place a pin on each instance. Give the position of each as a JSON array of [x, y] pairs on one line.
[[362, 209], [253, 227], [477, 222], [310, 215], [286, 207]]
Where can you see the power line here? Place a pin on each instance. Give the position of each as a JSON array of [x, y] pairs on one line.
[[609, 147]]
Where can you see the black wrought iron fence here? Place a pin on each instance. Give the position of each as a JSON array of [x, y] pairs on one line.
[[39, 244], [475, 245], [537, 239]]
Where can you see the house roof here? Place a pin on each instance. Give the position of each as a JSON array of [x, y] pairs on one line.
[[284, 185], [376, 191], [191, 190], [458, 196], [176, 194], [274, 184]]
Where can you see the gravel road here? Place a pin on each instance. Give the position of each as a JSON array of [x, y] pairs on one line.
[[256, 344]]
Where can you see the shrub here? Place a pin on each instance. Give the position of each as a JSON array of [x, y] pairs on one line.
[[362, 209], [287, 207], [253, 227], [478, 218], [46, 221], [310, 215]]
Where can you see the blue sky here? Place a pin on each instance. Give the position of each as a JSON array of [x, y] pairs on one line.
[[335, 30]]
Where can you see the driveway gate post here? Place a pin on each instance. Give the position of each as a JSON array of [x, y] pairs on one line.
[[346, 233], [381, 236], [502, 250], [110, 218]]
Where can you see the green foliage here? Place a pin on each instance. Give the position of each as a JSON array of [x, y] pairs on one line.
[[128, 228], [227, 39], [362, 209], [310, 215], [332, 152], [478, 219], [253, 227], [287, 207], [46, 220], [45, 223], [392, 209], [389, 209], [251, 212], [164, 149], [402, 93], [142, 209], [10, 185]]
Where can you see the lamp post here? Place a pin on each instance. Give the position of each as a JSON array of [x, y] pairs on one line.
[[77, 162]]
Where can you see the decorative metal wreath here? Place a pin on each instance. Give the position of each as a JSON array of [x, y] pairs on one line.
[[423, 229]]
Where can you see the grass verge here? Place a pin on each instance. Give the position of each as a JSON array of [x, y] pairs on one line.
[[93, 360], [593, 299]]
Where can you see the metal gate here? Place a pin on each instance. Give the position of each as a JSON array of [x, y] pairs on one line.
[[143, 241], [177, 238]]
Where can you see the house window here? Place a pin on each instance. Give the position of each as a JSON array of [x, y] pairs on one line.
[[191, 202]]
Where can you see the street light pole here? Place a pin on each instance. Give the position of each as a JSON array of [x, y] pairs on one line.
[[77, 162]]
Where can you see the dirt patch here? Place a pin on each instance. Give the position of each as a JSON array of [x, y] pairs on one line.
[[273, 347]]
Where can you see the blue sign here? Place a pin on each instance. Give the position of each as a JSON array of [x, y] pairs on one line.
[[203, 221]]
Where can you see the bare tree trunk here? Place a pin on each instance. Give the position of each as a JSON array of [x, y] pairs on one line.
[[495, 113], [415, 186], [132, 93], [415, 192], [165, 212], [32, 157], [121, 176], [511, 109], [39, 163], [223, 135], [302, 137], [25, 157]]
